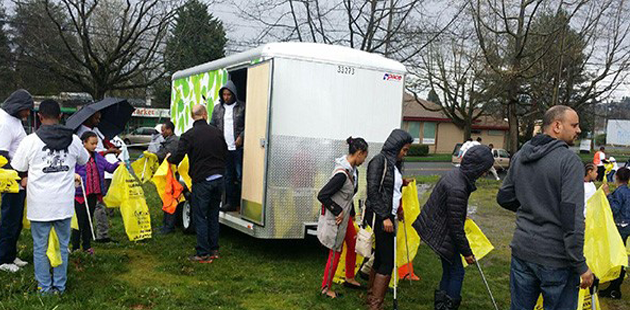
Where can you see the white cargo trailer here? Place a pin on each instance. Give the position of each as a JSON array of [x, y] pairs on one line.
[[302, 101]]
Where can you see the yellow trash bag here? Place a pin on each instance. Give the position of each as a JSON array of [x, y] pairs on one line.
[[183, 168], [479, 243], [608, 168], [8, 178], [53, 252], [585, 301], [145, 166], [603, 247], [125, 191]]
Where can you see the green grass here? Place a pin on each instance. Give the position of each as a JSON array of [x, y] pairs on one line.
[[429, 158], [252, 273], [621, 157]]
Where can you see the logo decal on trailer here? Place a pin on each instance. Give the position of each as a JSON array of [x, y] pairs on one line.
[[392, 77]]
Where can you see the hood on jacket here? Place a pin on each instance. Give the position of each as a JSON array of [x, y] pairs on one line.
[[19, 100], [343, 163], [477, 161], [538, 147], [56, 137], [232, 88], [394, 143]]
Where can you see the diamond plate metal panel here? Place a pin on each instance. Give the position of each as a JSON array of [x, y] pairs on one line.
[[298, 168]]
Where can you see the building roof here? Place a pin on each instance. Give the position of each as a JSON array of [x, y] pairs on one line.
[[316, 52], [413, 111]]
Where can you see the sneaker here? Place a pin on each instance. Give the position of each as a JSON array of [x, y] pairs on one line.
[[214, 255], [90, 251], [20, 263], [205, 259], [12, 268]]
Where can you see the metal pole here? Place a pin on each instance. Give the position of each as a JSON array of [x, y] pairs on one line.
[[408, 258], [395, 269], [483, 277], [87, 209]]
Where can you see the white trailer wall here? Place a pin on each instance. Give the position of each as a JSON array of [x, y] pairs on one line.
[[618, 132]]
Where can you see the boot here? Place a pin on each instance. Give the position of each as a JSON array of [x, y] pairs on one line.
[[440, 299], [614, 289], [370, 285], [379, 289], [452, 303]]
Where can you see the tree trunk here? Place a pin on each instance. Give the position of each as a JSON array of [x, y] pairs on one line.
[[513, 125], [467, 129]]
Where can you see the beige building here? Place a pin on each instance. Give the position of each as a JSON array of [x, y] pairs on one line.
[[437, 131]]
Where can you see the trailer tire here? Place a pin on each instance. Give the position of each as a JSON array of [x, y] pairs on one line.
[[186, 218]]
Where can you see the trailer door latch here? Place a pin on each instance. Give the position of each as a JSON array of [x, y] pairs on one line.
[[263, 142]]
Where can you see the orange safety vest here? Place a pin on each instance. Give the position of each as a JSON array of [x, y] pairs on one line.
[[596, 159], [172, 194]]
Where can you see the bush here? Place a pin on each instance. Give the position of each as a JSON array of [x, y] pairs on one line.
[[418, 150], [600, 140]]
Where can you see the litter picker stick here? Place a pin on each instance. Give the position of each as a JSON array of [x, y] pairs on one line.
[[395, 270], [483, 277], [410, 271], [87, 209], [593, 291], [144, 168]]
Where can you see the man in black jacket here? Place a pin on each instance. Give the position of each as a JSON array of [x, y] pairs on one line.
[[206, 150], [544, 186], [229, 117], [441, 222]]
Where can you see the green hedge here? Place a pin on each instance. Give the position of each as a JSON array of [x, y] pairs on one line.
[[418, 150]]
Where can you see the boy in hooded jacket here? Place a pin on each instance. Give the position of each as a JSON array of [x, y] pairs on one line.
[[441, 223]]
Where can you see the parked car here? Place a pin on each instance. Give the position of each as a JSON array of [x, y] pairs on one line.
[[141, 135], [501, 158]]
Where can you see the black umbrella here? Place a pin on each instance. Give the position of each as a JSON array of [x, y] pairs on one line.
[[115, 113]]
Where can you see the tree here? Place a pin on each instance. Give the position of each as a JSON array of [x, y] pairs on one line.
[[433, 97], [6, 60], [504, 28], [110, 45], [197, 37]]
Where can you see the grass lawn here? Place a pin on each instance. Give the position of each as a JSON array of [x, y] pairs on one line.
[[429, 158], [251, 274]]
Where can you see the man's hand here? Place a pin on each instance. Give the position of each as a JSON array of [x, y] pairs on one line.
[[401, 214], [77, 180], [587, 279], [470, 259], [24, 181], [167, 156], [406, 181], [339, 218], [388, 226], [606, 188], [121, 163], [113, 150], [239, 141]]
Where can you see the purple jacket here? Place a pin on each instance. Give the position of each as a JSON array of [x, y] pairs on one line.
[[102, 165]]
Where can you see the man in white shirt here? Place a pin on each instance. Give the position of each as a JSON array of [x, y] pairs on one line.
[[14, 110], [229, 117], [49, 156]]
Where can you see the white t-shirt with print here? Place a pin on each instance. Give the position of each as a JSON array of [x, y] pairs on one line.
[[50, 187], [11, 133], [228, 126]]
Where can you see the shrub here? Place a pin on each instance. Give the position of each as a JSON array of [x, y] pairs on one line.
[[600, 140], [418, 150]]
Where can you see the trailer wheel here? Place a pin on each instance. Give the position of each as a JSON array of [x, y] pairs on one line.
[[188, 225]]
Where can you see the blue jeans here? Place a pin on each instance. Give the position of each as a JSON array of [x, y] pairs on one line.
[[559, 286], [452, 277], [205, 201], [40, 232], [11, 225], [233, 177]]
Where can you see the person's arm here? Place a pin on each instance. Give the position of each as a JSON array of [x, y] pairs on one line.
[[456, 209], [109, 167], [572, 212], [506, 197], [161, 153], [182, 149], [213, 117], [22, 156], [616, 202], [333, 186], [375, 176]]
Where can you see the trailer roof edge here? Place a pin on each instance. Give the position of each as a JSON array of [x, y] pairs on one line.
[[300, 50]]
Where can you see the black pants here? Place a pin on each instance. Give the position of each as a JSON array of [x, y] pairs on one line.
[[601, 170], [11, 225], [384, 252], [83, 236]]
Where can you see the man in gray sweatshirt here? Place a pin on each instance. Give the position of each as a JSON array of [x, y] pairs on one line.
[[544, 187]]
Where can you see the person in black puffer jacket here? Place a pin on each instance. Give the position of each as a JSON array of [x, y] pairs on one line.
[[441, 222], [384, 191]]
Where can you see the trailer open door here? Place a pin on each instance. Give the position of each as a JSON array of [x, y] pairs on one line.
[[256, 142]]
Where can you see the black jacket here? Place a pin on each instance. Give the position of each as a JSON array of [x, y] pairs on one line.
[[239, 111], [441, 221], [380, 198], [206, 151]]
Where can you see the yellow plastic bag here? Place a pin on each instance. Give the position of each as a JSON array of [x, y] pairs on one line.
[[125, 191], [74, 223], [183, 172], [585, 301], [145, 166], [8, 178], [26, 224], [54, 252], [479, 243], [161, 180]]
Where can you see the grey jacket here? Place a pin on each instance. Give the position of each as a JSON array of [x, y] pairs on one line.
[[327, 229], [19, 100], [239, 111], [169, 145], [544, 186]]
